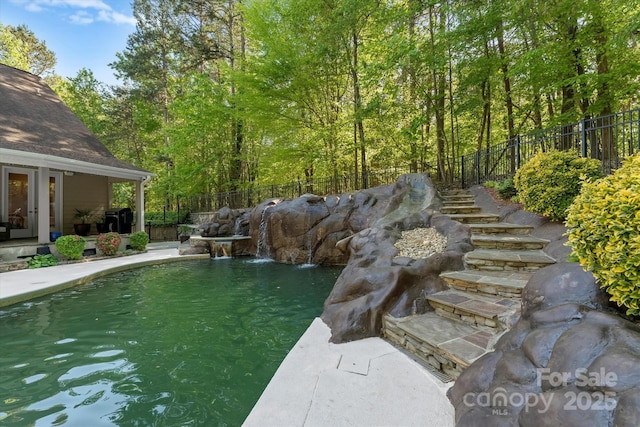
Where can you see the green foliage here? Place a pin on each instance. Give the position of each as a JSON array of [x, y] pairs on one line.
[[506, 189], [272, 91], [490, 184], [138, 240], [108, 243], [20, 48], [84, 215], [604, 233], [165, 218], [548, 183], [71, 246], [40, 261]]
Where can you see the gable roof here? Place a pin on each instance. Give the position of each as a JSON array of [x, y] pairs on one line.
[[38, 129]]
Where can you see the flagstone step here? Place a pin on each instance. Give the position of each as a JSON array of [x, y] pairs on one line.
[[463, 197], [446, 344], [507, 260], [507, 284], [500, 227], [507, 241], [478, 310], [465, 209], [474, 218], [469, 202]]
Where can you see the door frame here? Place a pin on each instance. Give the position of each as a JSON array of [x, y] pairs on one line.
[[32, 200]]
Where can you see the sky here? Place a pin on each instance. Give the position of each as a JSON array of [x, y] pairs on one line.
[[81, 33]]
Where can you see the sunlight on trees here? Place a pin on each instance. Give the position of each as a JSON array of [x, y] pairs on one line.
[[221, 95]]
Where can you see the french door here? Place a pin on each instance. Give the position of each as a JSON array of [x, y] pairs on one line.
[[20, 201]]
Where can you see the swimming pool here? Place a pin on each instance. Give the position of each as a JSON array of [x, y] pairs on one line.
[[189, 343]]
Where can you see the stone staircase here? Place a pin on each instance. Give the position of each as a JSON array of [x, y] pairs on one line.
[[482, 302]]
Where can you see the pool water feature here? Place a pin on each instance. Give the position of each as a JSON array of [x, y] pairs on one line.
[[189, 343]]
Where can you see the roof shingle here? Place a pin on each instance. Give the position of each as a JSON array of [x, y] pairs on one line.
[[34, 119]]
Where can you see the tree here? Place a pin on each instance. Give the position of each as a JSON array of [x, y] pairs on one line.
[[20, 48]]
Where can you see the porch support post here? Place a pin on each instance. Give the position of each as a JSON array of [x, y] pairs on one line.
[[43, 205], [140, 204]]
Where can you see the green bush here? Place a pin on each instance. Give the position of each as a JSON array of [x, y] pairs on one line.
[[157, 218], [71, 246], [138, 240], [506, 189], [604, 233], [108, 243], [548, 183], [41, 261]]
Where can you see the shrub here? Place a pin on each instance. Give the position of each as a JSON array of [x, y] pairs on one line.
[[108, 243], [506, 189], [71, 246], [548, 183], [604, 233], [40, 261], [138, 240]]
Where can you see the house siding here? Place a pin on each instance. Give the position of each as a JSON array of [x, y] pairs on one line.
[[84, 192]]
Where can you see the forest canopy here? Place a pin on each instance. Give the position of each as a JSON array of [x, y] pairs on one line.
[[225, 95]]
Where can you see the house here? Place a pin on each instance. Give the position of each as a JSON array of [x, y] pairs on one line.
[[51, 164]]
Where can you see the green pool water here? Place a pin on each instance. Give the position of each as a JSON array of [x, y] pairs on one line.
[[182, 344]]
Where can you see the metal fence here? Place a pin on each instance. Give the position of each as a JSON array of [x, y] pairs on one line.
[[322, 186], [609, 138]]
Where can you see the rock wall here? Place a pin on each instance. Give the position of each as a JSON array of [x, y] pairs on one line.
[[569, 361], [307, 229], [375, 281]]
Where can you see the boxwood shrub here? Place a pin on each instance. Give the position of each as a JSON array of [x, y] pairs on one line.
[[71, 246], [604, 233], [138, 241], [549, 181]]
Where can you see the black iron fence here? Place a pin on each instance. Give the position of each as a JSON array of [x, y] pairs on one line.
[[321, 186], [609, 138]]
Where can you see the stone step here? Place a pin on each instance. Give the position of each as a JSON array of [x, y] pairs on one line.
[[500, 227], [458, 197], [469, 202], [448, 345], [505, 284], [455, 191], [475, 218], [478, 310], [504, 260], [507, 241], [465, 209]]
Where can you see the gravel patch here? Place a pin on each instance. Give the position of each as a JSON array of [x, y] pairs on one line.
[[420, 243]]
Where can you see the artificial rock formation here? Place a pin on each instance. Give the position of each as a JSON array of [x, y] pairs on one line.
[[359, 230], [570, 361], [222, 223], [376, 281]]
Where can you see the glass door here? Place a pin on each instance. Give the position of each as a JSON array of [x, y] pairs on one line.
[[20, 201]]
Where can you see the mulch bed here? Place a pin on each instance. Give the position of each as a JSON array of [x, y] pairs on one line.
[[500, 201]]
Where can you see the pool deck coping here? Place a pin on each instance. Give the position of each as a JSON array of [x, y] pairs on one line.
[[367, 382]]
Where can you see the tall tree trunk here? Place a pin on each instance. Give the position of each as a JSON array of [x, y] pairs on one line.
[[357, 109], [237, 126], [506, 80], [439, 87]]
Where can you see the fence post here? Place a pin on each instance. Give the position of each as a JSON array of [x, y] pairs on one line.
[[518, 159], [477, 167], [462, 173], [583, 138]]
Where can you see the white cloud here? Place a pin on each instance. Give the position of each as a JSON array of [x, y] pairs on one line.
[[82, 12], [116, 17], [81, 17]]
